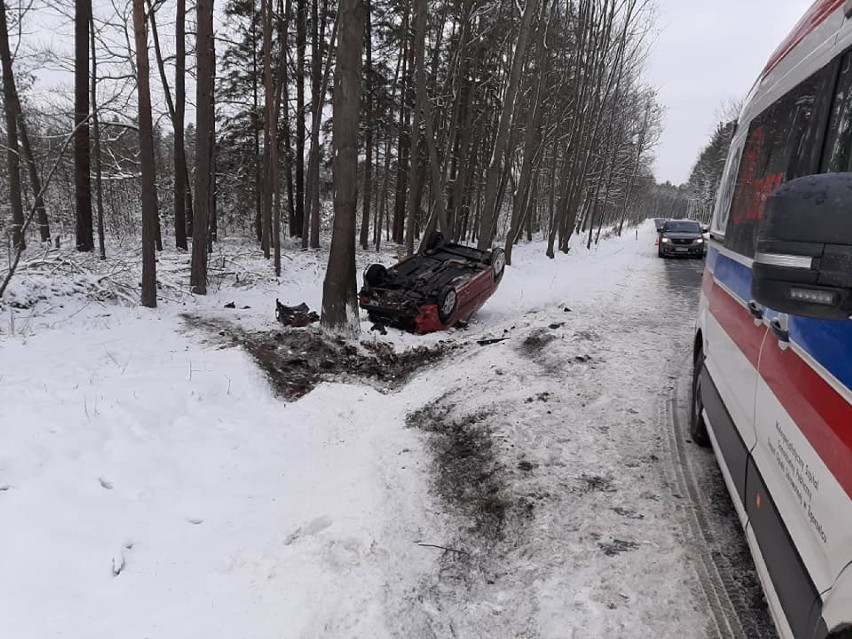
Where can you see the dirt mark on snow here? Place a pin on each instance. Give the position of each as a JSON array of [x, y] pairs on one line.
[[296, 360], [477, 479], [469, 477]]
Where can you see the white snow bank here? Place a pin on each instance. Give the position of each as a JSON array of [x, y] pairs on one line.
[[151, 486]]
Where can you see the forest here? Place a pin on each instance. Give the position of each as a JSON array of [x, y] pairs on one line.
[[134, 127]]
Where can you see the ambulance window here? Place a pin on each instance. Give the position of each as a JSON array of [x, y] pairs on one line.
[[729, 181], [838, 145], [779, 147], [795, 154]]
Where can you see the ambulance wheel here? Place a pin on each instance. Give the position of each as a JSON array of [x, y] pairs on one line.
[[697, 426]]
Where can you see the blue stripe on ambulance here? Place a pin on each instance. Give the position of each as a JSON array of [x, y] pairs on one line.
[[827, 341]]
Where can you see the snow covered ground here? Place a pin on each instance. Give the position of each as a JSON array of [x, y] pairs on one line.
[[151, 485]]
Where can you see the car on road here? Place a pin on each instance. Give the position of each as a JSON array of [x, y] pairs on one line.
[[433, 289], [681, 238], [772, 375]]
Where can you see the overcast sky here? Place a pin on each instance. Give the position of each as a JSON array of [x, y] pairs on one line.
[[706, 54]]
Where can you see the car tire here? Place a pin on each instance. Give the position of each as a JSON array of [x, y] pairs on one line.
[[697, 426], [375, 275], [498, 263], [660, 253], [448, 300]]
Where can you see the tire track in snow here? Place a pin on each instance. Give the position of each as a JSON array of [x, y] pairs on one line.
[[723, 615], [729, 587]]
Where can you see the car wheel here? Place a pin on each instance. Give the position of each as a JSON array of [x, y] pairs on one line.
[[498, 263], [660, 253], [448, 299], [697, 426], [375, 275]]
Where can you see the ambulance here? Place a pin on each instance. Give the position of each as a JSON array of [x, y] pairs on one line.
[[772, 376]]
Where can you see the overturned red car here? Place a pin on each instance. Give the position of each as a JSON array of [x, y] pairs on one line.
[[434, 289]]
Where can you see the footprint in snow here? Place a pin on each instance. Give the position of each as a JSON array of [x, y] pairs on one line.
[[313, 527], [119, 558]]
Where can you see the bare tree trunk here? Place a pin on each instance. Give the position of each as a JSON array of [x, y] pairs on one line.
[[146, 152], [281, 94], [255, 120], [532, 143], [383, 218], [213, 216], [82, 179], [415, 174], [317, 100], [439, 216], [32, 169], [488, 220], [340, 301], [301, 42], [368, 134], [10, 106], [96, 130], [183, 202], [311, 228], [177, 110], [269, 134], [273, 91], [203, 144], [465, 154], [404, 144], [60, 156]]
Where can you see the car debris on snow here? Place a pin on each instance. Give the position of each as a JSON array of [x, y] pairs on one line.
[[295, 316]]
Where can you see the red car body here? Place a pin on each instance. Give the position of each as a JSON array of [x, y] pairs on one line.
[[434, 289]]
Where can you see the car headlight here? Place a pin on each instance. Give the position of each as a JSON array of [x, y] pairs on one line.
[[700, 240], [666, 240]]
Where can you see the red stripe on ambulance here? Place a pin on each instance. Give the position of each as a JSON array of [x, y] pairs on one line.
[[818, 12], [820, 412]]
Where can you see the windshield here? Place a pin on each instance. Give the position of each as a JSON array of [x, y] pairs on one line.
[[682, 226]]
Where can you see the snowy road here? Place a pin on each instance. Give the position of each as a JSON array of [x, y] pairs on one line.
[[542, 486], [587, 516]]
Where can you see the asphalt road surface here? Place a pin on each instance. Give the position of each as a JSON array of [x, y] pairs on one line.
[[720, 552]]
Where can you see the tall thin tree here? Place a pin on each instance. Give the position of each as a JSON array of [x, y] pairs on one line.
[[339, 295], [96, 131], [301, 43], [10, 107], [176, 108], [82, 162], [369, 125], [488, 221], [269, 133], [183, 200], [146, 154], [204, 178]]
